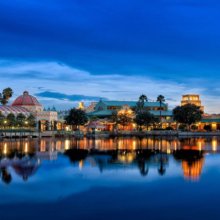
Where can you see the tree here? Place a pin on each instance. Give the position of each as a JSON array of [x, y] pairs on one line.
[[5, 175], [20, 120], [144, 118], [160, 99], [114, 119], [208, 127], [11, 120], [140, 104], [31, 121], [194, 127], [76, 117], [187, 114], [2, 119], [124, 117], [5, 95]]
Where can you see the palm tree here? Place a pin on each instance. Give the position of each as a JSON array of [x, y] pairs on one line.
[[140, 104], [5, 95], [143, 98], [160, 99]]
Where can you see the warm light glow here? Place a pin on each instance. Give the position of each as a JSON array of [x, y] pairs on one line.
[[168, 151], [81, 105], [214, 126], [194, 170], [214, 145], [26, 147], [134, 143], [5, 149], [80, 164], [200, 145], [67, 144], [126, 157]]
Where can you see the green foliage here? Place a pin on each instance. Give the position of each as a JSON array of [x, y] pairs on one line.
[[194, 127], [143, 98], [169, 128], [187, 114], [182, 127], [114, 117], [11, 120], [31, 121], [93, 118], [208, 127], [140, 104], [5, 96], [160, 99], [20, 120], [2, 119], [124, 118], [76, 117], [144, 118]]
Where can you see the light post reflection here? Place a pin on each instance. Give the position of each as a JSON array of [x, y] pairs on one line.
[[141, 154]]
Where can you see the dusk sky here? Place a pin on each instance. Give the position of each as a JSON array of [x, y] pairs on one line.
[[64, 51]]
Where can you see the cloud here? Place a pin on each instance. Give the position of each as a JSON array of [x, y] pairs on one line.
[[63, 96], [63, 86], [40, 70]]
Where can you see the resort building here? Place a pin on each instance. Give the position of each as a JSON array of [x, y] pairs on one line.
[[104, 110], [210, 122], [29, 105], [192, 99]]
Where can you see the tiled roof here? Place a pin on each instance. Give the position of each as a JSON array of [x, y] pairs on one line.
[[5, 110], [100, 113], [163, 113], [109, 113], [211, 120], [132, 103], [26, 99]]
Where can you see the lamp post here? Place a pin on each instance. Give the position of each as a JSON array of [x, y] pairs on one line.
[[26, 123], [5, 123]]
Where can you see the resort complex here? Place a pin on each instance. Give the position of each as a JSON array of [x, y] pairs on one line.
[[107, 115]]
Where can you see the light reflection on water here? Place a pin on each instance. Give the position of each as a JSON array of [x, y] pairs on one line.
[[25, 156], [46, 170]]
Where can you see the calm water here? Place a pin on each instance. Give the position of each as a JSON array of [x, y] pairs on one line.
[[110, 179]]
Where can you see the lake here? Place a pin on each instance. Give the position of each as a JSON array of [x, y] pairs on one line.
[[122, 178]]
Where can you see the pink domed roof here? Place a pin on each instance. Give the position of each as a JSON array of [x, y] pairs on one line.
[[26, 99]]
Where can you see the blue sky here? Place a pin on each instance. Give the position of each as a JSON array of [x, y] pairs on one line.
[[65, 51]]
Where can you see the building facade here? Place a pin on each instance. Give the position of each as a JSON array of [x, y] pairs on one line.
[[104, 110], [192, 99], [27, 104]]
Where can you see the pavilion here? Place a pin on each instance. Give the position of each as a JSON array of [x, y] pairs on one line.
[[27, 104]]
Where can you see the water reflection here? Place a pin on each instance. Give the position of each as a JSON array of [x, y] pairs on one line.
[[24, 157]]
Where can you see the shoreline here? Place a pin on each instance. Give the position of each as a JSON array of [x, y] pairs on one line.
[[57, 134]]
